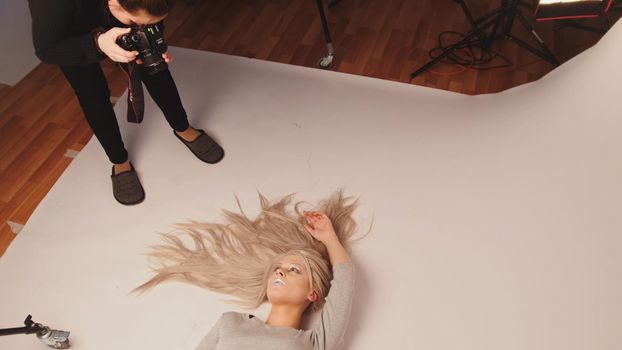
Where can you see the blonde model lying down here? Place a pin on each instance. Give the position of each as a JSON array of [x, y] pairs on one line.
[[289, 259]]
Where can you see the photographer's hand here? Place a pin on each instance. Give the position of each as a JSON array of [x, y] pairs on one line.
[[107, 43], [167, 57]]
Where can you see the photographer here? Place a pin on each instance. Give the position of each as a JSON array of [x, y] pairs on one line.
[[76, 35]]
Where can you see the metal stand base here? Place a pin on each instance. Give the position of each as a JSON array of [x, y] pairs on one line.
[[51, 337]]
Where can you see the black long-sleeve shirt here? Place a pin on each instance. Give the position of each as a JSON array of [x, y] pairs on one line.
[[62, 30]]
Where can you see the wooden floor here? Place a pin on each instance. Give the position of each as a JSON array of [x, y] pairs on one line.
[[41, 124]]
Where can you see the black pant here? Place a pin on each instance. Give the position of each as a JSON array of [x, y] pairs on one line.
[[91, 88]]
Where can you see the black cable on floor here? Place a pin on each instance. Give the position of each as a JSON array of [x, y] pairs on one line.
[[472, 55]]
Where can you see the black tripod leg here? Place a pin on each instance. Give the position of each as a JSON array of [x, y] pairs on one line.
[[544, 53], [31, 327], [477, 37], [472, 22], [11, 331], [448, 51], [501, 19], [327, 60]]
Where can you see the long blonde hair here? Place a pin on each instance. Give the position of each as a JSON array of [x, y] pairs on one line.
[[235, 258]]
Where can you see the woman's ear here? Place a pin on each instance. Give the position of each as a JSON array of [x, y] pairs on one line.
[[313, 297]]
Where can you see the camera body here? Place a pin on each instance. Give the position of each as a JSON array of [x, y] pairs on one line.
[[149, 42]]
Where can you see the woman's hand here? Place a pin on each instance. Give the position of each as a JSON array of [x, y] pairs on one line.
[[168, 58], [319, 226], [107, 43]]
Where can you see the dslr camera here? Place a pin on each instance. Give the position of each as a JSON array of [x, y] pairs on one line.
[[149, 42]]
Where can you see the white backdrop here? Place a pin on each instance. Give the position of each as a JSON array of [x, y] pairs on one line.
[[496, 218]]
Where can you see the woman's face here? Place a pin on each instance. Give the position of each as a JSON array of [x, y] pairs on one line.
[[138, 18], [289, 282]]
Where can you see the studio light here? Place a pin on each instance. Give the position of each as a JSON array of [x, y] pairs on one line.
[[549, 10]]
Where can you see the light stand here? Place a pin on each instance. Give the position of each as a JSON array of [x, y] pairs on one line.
[[51, 337], [327, 60], [500, 23]]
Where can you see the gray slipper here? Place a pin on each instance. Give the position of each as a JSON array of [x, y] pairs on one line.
[[204, 147], [126, 187]]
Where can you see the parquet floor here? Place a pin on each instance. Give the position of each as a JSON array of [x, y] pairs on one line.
[[41, 124]]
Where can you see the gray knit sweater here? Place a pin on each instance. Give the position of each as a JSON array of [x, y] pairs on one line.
[[236, 331]]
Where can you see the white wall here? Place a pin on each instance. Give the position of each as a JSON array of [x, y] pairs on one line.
[[17, 56]]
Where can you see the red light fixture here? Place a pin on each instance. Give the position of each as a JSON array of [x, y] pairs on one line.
[[550, 10]]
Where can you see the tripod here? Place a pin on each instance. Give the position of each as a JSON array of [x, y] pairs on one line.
[[500, 23]]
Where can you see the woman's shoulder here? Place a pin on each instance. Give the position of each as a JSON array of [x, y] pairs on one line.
[[235, 317]]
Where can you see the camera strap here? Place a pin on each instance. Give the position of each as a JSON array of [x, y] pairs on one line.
[[135, 95]]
